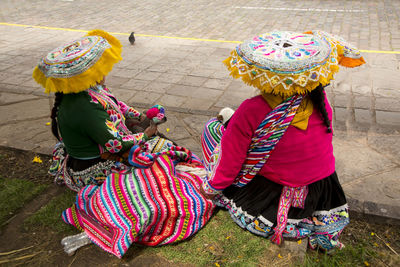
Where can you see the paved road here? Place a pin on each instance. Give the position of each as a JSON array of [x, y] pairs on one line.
[[187, 75], [370, 24]]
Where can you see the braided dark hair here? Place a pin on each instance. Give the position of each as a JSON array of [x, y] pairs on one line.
[[317, 96], [54, 111]]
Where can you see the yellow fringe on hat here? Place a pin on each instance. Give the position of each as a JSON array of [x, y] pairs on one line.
[[257, 77], [90, 77]]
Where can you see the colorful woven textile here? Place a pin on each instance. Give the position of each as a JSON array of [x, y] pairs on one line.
[[153, 206], [323, 228], [267, 135], [288, 63], [290, 197], [75, 180], [118, 112], [80, 64], [211, 137], [143, 159]]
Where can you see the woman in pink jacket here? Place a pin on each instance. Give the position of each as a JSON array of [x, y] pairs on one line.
[[272, 165]]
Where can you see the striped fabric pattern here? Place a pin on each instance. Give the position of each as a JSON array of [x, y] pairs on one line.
[[142, 159], [267, 135], [153, 206], [211, 137]]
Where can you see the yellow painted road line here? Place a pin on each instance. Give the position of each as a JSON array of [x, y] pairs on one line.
[[175, 37], [41, 27], [163, 36], [379, 51]]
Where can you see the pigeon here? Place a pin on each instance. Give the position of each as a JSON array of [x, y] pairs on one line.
[[132, 38]]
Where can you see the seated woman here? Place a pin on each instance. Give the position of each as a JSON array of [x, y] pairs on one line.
[[273, 167], [88, 116], [134, 194]]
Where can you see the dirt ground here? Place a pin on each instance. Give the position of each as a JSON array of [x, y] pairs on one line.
[[42, 247]]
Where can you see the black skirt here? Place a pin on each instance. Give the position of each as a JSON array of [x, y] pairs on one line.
[[80, 164], [260, 197]]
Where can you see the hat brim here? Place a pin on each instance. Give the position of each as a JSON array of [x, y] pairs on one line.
[[91, 76]]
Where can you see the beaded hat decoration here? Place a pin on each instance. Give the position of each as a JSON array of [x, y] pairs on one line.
[[80, 64], [287, 63]]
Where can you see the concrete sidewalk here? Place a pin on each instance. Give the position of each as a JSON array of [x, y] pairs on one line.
[[188, 77]]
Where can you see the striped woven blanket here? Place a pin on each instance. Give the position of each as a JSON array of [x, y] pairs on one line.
[[153, 206]]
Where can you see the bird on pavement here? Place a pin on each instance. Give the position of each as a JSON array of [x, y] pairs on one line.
[[132, 38]]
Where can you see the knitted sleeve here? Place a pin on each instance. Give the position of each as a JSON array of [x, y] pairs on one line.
[[102, 127], [129, 112]]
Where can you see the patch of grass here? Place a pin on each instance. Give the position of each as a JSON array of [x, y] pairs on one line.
[[365, 245], [223, 243], [220, 242], [49, 216], [14, 194], [349, 256]]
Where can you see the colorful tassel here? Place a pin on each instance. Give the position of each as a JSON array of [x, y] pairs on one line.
[[277, 238]]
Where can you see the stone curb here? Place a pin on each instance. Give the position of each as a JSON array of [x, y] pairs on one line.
[[374, 212]]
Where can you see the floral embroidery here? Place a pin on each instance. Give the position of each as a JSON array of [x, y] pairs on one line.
[[138, 137], [116, 112], [114, 146], [132, 113], [96, 97], [112, 129], [128, 138], [114, 116]]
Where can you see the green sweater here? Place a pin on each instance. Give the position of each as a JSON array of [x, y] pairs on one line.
[[93, 121]]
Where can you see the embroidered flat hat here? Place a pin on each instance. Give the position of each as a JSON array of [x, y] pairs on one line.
[[80, 64], [287, 63]]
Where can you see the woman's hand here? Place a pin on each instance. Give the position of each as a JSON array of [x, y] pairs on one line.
[[151, 130], [129, 122], [142, 118]]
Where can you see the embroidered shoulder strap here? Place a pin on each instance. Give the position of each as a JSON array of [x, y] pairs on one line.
[[267, 135]]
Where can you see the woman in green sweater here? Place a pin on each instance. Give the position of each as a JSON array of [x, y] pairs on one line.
[[87, 118], [149, 192]]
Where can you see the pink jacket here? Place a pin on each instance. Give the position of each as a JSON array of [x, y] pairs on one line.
[[300, 158]]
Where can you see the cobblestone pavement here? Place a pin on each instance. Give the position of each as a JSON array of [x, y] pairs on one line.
[[188, 77], [370, 24]]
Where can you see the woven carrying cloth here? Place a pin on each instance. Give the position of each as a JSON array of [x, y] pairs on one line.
[[287, 63], [153, 206], [265, 138], [80, 64]]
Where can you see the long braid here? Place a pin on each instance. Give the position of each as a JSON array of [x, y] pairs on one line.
[[317, 96], [54, 111]]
